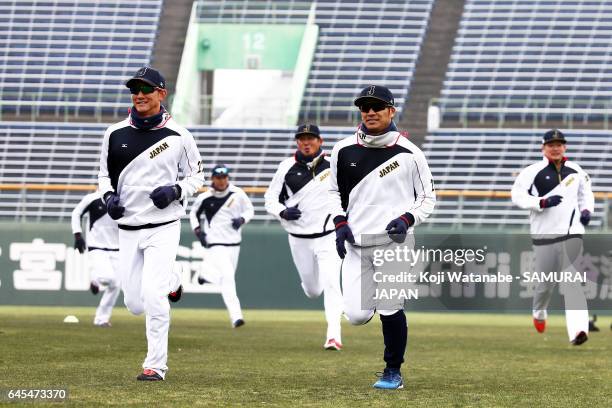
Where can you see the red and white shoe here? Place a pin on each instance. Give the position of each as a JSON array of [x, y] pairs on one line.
[[540, 325], [332, 344], [149, 375], [176, 295]]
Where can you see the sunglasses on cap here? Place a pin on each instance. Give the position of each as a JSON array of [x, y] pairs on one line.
[[145, 89], [220, 171], [377, 106]]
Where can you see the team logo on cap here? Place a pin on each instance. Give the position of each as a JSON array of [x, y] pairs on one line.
[[371, 90], [142, 71]]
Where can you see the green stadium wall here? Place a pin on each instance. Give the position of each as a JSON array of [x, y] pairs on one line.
[[266, 276]]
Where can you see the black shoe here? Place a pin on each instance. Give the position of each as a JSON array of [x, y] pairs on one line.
[[149, 375], [176, 295], [238, 323], [94, 288], [592, 327], [580, 339], [201, 280]]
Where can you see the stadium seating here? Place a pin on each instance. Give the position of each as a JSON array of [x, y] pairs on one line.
[[68, 153], [360, 43], [489, 160], [67, 57], [476, 160], [531, 59], [253, 11]]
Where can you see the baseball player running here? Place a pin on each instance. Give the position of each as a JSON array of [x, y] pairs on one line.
[[558, 193], [380, 184], [217, 217], [139, 179], [103, 249], [297, 197]]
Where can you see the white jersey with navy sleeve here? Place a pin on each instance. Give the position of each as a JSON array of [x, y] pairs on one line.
[[373, 185], [305, 185], [133, 162], [214, 211], [542, 180], [102, 232]]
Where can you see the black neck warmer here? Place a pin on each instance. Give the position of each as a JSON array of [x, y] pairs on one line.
[[149, 122], [300, 157]]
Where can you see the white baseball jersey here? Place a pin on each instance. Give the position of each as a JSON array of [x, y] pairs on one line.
[[213, 212], [375, 179], [103, 232], [542, 180], [307, 186], [134, 162]]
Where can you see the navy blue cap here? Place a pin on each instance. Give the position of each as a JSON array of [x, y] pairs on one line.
[[150, 76], [379, 92], [220, 170], [554, 135], [307, 129]]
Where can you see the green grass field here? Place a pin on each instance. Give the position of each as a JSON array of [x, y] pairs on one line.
[[277, 360]]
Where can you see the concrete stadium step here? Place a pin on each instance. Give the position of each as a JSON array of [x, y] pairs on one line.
[[168, 49], [431, 66]]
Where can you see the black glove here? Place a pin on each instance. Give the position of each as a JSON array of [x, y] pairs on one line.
[[291, 213], [398, 227], [114, 210], [201, 236], [585, 217], [79, 242], [237, 222], [164, 195], [343, 234], [550, 201]]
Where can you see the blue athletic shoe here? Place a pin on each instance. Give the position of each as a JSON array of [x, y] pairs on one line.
[[390, 379]]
